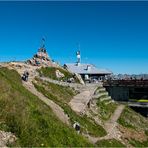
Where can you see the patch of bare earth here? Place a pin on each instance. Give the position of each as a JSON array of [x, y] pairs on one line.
[[128, 133]]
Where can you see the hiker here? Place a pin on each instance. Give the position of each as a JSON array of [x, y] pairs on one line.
[[76, 126], [25, 76]]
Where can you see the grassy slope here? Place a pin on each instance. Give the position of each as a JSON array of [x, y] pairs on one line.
[[106, 110], [51, 73], [128, 118], [109, 143], [138, 143], [131, 119], [29, 119], [56, 96]]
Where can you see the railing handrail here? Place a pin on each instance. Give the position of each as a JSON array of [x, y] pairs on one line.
[[125, 82]]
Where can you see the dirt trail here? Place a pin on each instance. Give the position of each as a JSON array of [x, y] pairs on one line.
[[111, 127], [111, 123], [117, 113]]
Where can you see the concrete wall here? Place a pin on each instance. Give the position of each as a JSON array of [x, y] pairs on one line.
[[124, 93], [118, 93]]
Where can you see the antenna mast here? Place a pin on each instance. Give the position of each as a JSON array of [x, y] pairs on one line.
[[78, 55], [43, 43]]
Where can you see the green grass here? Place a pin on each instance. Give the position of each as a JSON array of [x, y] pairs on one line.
[[131, 119], [103, 96], [30, 119], [143, 100], [86, 123], [63, 93], [51, 73], [146, 132], [102, 91], [109, 143], [138, 143], [126, 122], [99, 89], [106, 110]]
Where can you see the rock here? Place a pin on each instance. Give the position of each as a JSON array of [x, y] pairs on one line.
[[80, 78], [6, 138], [59, 74], [41, 58]]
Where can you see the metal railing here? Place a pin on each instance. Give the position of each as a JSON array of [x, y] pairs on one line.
[[125, 83]]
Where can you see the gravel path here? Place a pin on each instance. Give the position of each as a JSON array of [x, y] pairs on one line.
[[111, 123], [110, 126], [80, 101]]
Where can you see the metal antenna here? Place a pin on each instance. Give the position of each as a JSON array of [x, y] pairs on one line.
[[43, 42]]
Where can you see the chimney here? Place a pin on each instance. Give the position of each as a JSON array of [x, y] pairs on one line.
[[88, 67], [78, 64]]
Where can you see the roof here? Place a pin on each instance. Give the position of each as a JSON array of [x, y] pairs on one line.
[[86, 69]]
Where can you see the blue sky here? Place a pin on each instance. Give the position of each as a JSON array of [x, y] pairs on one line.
[[112, 35]]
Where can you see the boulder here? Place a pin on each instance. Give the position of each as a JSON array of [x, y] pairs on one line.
[[59, 74]]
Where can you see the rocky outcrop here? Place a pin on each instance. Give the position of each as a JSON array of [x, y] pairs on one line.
[[79, 78], [41, 58], [59, 74], [6, 138]]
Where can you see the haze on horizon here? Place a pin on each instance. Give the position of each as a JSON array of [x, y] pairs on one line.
[[112, 35]]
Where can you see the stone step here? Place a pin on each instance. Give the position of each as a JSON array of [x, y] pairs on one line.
[[102, 89], [97, 96], [102, 94], [106, 98], [96, 92], [110, 101]]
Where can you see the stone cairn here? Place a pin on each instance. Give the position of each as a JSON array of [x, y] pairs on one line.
[[41, 58]]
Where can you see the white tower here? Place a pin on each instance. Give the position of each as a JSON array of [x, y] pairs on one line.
[[78, 57]]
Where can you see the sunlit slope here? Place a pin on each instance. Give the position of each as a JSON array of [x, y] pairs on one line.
[[33, 123], [134, 128]]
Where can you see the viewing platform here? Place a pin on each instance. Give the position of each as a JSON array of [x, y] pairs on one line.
[[129, 83]]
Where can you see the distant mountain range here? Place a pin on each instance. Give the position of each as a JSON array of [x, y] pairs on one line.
[[128, 76]]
